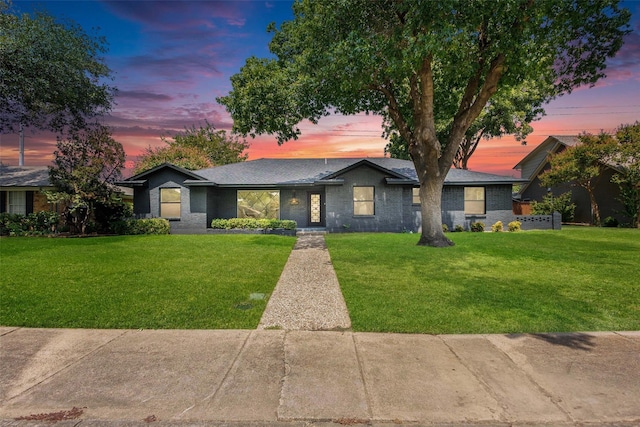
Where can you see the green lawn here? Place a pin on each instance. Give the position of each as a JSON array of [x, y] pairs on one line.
[[577, 279], [175, 281]]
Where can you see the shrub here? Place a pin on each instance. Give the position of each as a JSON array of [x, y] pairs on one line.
[[610, 222], [445, 228], [477, 227], [497, 227], [141, 226], [252, 224], [514, 226], [551, 204], [458, 228], [34, 224]]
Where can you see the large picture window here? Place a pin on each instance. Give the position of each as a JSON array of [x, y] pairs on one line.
[[259, 204], [363, 201], [170, 203], [474, 202]]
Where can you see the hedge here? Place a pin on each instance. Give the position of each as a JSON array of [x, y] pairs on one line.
[[253, 224]]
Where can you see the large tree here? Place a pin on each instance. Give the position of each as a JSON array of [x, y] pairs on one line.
[[85, 168], [196, 148], [52, 75], [419, 64], [507, 113]]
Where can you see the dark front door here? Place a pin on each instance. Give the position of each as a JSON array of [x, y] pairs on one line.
[[316, 210]]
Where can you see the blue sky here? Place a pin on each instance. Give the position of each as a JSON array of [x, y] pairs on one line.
[[171, 59]]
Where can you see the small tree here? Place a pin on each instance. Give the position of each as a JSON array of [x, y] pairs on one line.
[[551, 204], [581, 165], [626, 158], [196, 148], [86, 166]]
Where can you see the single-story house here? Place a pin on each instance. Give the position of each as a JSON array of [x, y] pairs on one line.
[[372, 194], [22, 189], [536, 162]]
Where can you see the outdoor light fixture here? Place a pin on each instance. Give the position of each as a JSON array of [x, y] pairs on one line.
[[294, 201]]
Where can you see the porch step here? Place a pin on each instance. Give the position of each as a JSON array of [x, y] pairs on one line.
[[311, 231]]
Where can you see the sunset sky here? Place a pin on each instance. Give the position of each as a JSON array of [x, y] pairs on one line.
[[170, 60]]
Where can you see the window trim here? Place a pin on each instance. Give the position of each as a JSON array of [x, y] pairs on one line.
[[372, 201], [179, 203], [484, 201]]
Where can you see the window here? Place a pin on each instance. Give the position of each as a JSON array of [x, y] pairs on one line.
[[363, 201], [259, 204], [474, 201], [17, 202], [416, 196], [170, 203]]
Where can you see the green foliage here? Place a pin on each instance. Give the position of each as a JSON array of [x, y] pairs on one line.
[[497, 227], [445, 228], [141, 226], [33, 224], [52, 73], [610, 222], [626, 158], [551, 204], [252, 224], [477, 227], [514, 226], [195, 148], [85, 167], [428, 68], [458, 228]]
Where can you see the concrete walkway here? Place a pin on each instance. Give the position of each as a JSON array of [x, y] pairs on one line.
[[307, 296], [301, 378]]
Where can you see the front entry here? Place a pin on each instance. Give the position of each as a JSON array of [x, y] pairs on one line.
[[316, 210]]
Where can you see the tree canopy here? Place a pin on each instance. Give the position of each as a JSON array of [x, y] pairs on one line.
[[423, 66], [626, 158], [52, 75], [195, 148]]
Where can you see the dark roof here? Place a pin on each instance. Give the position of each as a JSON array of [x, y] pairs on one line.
[[24, 176], [293, 172], [548, 145]]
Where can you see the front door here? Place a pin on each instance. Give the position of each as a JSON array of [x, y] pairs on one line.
[[316, 210]]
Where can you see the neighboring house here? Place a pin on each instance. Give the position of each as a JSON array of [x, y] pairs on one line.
[[536, 162], [22, 189], [374, 194]]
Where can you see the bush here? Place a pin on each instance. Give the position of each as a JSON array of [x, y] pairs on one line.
[[458, 228], [497, 227], [514, 226], [610, 222], [252, 224], [477, 227], [445, 228], [34, 224], [551, 204], [141, 226]]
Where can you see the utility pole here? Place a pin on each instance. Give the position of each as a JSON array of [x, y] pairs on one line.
[[21, 147]]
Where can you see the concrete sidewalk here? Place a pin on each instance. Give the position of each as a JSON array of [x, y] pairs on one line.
[[274, 377]]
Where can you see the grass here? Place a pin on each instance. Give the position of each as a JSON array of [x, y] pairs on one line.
[[577, 279], [151, 282]]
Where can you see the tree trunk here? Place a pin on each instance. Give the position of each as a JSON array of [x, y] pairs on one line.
[[431, 185], [595, 209]]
